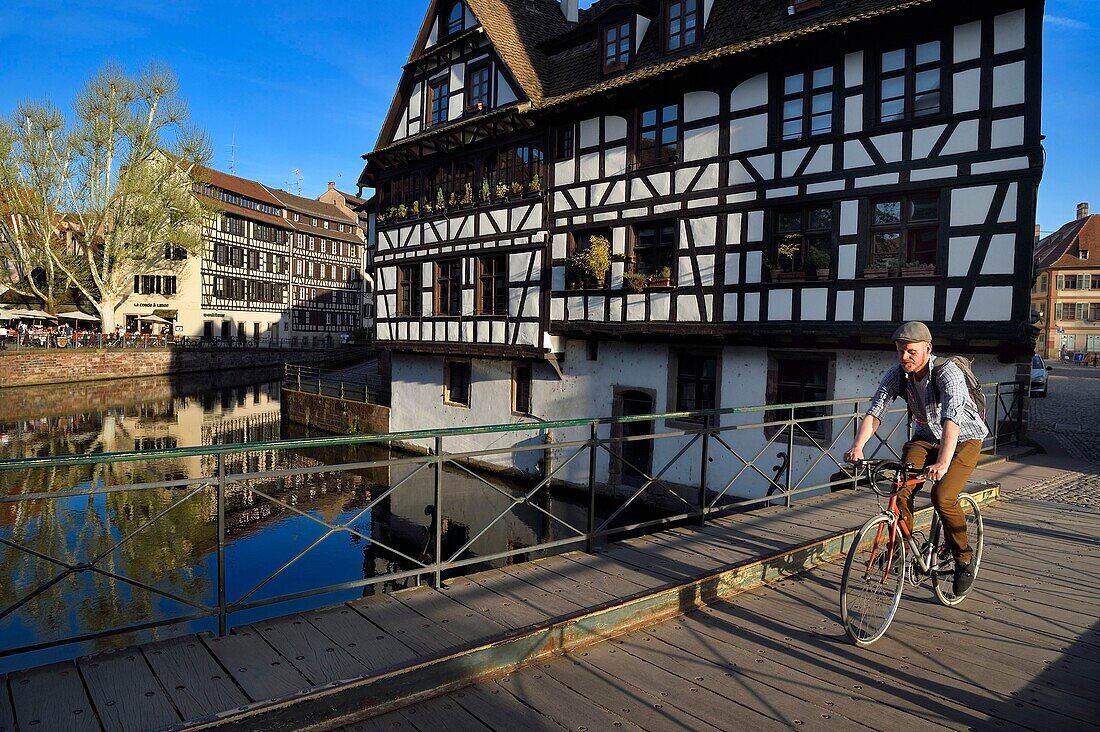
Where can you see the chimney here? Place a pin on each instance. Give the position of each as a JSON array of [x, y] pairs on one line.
[[332, 185], [569, 10], [1082, 210], [1037, 233]]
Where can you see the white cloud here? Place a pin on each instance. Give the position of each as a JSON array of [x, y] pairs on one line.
[[1063, 22]]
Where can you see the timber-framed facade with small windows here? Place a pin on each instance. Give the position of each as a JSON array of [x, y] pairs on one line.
[[752, 177]]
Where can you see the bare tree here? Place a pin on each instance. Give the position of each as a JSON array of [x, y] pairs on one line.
[[120, 176]]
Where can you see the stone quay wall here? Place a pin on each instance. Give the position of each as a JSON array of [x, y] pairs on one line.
[[331, 414], [26, 368]]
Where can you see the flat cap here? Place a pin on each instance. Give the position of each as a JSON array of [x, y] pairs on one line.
[[913, 332]]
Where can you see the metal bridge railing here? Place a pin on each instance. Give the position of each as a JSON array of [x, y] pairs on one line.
[[327, 381], [699, 465]]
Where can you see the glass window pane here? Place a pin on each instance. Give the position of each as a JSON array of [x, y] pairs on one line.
[[668, 135], [649, 118], [792, 109], [670, 113], [927, 81], [821, 123], [928, 52], [790, 222], [822, 103], [793, 84], [924, 209], [892, 110], [792, 130], [893, 60], [887, 212], [926, 103], [820, 218], [893, 88], [823, 78], [885, 247]]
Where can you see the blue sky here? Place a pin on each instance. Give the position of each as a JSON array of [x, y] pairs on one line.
[[301, 87]]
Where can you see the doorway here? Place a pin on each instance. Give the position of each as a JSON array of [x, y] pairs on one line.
[[637, 455]]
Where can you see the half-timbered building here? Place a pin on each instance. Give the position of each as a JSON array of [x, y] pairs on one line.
[[664, 205]]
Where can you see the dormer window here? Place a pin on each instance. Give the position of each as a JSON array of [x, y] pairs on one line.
[[454, 19], [616, 46], [681, 24]]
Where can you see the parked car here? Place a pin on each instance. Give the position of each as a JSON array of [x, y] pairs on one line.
[[1039, 370]]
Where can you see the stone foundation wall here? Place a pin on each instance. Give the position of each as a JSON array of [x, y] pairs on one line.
[[25, 368], [334, 415]]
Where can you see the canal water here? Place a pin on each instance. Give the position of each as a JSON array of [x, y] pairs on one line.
[[156, 548]]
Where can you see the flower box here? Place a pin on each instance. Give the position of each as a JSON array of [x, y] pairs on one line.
[[790, 276], [876, 273], [926, 270]]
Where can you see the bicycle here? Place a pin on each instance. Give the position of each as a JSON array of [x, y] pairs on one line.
[[875, 571]]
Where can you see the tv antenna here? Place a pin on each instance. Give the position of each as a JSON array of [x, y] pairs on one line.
[[233, 154], [298, 180]]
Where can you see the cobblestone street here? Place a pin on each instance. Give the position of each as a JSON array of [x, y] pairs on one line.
[[1067, 418]]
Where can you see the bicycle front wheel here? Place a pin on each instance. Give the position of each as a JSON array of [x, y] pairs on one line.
[[943, 572], [874, 577]]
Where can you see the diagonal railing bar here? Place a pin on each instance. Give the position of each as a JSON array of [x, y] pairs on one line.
[[885, 441], [107, 552], [747, 464], [622, 507], [650, 480], [35, 593], [286, 565], [87, 637], [149, 588], [381, 496], [515, 502], [37, 554], [332, 528], [824, 453]]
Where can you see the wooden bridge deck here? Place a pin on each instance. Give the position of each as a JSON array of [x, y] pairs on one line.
[[1022, 653], [312, 669]]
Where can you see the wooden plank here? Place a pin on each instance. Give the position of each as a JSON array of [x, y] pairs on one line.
[[315, 655], [255, 666], [581, 595], [424, 636], [741, 683], [197, 685], [679, 549], [512, 585], [7, 714], [498, 710], [461, 621], [675, 571], [615, 585], [557, 701], [506, 611], [605, 565], [125, 692], [649, 680], [442, 714], [646, 711], [392, 722], [52, 697], [370, 645]]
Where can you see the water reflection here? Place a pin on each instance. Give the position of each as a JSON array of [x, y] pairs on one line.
[[156, 548]]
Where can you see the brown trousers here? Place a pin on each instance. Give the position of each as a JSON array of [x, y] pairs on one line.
[[945, 492]]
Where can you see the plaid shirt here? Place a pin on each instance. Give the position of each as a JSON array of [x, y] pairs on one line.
[[928, 414]]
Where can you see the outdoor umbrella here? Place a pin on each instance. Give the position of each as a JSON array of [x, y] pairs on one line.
[[153, 319], [77, 315], [32, 314]]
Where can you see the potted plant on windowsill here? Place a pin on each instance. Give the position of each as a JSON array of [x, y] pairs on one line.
[[634, 282], [785, 253], [884, 269], [820, 260], [663, 278], [590, 265], [918, 269], [467, 196], [535, 186]]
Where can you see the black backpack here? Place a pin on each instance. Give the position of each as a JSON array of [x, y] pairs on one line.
[[973, 386]]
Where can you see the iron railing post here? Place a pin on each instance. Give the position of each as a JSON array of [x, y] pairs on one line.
[[437, 578], [591, 488], [996, 416], [790, 457], [222, 615], [1020, 396], [704, 458], [855, 434]]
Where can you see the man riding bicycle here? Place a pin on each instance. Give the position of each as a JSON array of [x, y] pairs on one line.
[[947, 434]]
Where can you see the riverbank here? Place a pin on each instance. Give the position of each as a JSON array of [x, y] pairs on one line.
[[65, 366]]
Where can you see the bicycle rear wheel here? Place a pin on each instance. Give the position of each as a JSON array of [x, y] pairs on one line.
[[943, 572], [874, 577]]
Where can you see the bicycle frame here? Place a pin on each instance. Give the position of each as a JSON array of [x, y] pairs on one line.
[[924, 557]]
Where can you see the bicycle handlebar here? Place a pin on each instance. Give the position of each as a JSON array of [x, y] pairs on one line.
[[889, 477]]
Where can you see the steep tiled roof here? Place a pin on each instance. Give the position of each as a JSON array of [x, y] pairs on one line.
[[242, 186], [310, 206], [1067, 243], [517, 28]]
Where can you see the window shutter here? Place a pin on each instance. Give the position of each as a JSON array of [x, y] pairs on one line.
[[1082, 310], [1061, 282], [1085, 282], [1058, 308]]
